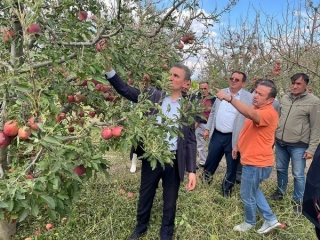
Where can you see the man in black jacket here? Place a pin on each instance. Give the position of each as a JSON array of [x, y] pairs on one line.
[[185, 148]]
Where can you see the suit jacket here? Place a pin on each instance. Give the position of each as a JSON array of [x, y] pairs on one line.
[[187, 145], [245, 97]]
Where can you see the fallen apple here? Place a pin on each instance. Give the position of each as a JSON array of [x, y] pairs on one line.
[[49, 226], [4, 140], [122, 191], [29, 176], [130, 195]]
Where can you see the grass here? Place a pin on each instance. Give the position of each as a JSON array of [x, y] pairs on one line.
[[102, 213]]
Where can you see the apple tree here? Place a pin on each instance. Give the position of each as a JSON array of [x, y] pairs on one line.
[[58, 113]]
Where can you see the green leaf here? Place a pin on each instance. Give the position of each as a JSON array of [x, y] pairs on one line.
[[49, 200], [24, 215], [35, 210], [51, 139], [52, 214], [4, 204]]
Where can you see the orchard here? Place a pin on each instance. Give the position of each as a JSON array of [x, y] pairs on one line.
[[59, 116]]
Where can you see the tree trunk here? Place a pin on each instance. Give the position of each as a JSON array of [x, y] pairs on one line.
[[7, 230]]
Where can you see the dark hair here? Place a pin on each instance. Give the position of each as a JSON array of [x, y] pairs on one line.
[[268, 83], [203, 82], [187, 72], [244, 76], [298, 75]]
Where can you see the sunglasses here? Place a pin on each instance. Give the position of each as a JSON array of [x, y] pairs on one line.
[[234, 79]]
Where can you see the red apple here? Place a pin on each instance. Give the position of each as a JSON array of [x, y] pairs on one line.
[[4, 140], [98, 47], [97, 87], [116, 131], [79, 170], [62, 115], [71, 129], [32, 124], [283, 225], [130, 195], [92, 114], [33, 28], [70, 98], [180, 46], [185, 39], [10, 170], [122, 191], [82, 15], [146, 77], [29, 176], [37, 232], [58, 119], [106, 133], [8, 34], [104, 88], [49, 226], [11, 128], [81, 114], [24, 132]]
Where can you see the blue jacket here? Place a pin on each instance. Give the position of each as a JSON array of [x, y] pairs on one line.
[[187, 145]]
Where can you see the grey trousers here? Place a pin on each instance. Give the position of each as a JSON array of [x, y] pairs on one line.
[[201, 143]]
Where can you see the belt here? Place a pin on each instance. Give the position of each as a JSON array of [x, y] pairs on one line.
[[203, 121], [222, 132]]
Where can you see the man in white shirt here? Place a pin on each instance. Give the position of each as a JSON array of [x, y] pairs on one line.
[[223, 129]]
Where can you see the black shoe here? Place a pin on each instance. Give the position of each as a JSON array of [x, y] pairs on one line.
[[297, 208], [135, 235], [276, 196], [227, 194], [206, 177]]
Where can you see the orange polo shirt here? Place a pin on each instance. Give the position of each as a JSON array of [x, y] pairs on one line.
[[256, 139]]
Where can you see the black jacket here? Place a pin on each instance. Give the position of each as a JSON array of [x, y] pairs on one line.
[[311, 197], [187, 146]]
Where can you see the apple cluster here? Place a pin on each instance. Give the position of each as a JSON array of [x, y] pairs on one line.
[[108, 133], [187, 39], [11, 129]]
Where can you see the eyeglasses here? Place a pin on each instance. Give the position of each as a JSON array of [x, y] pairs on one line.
[[203, 88], [234, 79]]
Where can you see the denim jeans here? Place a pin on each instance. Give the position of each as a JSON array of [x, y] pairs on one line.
[[283, 155], [252, 196]]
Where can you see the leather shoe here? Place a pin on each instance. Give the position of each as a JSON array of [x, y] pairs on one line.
[[227, 194], [135, 235]]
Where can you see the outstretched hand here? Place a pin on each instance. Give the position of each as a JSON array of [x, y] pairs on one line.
[[222, 95]]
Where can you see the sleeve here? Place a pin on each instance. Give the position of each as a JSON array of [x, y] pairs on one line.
[[191, 150], [123, 88], [314, 119]]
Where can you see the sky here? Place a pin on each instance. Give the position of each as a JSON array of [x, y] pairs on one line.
[[242, 9]]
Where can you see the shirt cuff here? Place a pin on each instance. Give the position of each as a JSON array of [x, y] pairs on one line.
[[110, 74]]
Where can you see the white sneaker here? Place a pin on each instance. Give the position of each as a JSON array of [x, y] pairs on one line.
[[243, 227], [268, 226]]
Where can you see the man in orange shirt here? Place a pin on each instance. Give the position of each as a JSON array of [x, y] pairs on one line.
[[255, 146]]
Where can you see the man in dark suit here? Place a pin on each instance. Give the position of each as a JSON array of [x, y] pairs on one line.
[[184, 147]]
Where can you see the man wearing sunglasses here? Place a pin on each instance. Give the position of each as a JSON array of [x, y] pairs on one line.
[[223, 128]]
